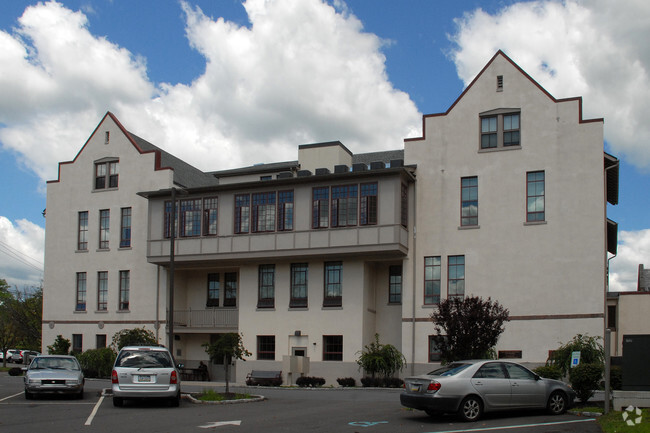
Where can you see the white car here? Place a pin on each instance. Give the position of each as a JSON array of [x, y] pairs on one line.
[[54, 374]]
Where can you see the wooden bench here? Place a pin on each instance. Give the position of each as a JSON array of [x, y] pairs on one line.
[[264, 378]]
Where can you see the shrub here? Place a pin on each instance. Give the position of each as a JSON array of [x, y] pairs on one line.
[[61, 346], [383, 359], [382, 382], [591, 352], [347, 381], [549, 372], [616, 377], [309, 381], [15, 371], [584, 379], [97, 362]]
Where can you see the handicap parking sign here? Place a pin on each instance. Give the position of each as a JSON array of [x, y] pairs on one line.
[[575, 359]]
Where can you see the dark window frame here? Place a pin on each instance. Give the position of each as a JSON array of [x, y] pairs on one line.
[[125, 290], [82, 231], [332, 348], [333, 284], [369, 203], [299, 285], [81, 291], [266, 286], [534, 195], [210, 216], [344, 205], [125, 227], [190, 217], [469, 198], [432, 275], [230, 289], [242, 213], [434, 353], [285, 210], [456, 277], [104, 228], [264, 211], [395, 284], [266, 347], [107, 175], [492, 129], [102, 291], [214, 288], [320, 207]]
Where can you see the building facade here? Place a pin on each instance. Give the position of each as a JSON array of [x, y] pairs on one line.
[[503, 196]]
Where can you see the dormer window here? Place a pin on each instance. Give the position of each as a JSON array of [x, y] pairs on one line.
[[106, 174], [500, 128]]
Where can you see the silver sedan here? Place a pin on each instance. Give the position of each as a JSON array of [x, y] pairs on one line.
[[54, 374], [470, 388]]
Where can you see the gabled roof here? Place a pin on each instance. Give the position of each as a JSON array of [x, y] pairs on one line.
[[497, 55]]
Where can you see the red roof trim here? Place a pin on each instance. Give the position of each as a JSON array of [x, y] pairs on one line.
[[525, 74]]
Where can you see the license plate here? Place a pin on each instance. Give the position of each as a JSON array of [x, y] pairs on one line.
[[415, 388], [144, 378]]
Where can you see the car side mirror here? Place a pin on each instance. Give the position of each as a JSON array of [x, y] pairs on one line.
[[538, 377]]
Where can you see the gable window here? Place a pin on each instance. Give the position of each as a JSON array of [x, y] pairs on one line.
[[285, 210], [190, 218], [242, 213], [320, 207], [344, 205], [210, 208], [230, 289], [332, 348], [432, 280], [535, 195], [104, 228], [102, 291], [266, 286], [456, 277], [266, 347], [81, 292], [333, 284], [213, 290], [469, 201], [106, 175], [298, 285], [82, 231], [395, 285], [264, 212], [125, 228], [500, 128], [125, 286], [368, 208]]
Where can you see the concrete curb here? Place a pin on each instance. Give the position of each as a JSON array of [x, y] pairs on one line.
[[253, 399]]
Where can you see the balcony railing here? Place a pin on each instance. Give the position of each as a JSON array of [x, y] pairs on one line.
[[219, 318]]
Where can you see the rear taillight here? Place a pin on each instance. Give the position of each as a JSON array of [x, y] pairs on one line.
[[434, 386], [114, 377], [174, 377]]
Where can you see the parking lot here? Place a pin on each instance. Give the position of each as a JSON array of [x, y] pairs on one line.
[[284, 410]]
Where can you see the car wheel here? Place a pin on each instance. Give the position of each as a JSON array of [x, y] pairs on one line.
[[175, 401], [80, 395], [118, 401], [471, 408], [557, 403], [28, 395]]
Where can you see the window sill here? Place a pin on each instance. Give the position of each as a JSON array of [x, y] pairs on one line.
[[430, 305], [499, 149], [333, 307], [265, 309], [105, 189], [79, 312], [81, 251], [123, 311], [534, 223], [101, 311], [125, 248], [394, 304], [298, 308], [102, 250], [469, 227]]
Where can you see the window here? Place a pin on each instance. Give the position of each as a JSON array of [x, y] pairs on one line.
[[106, 175], [102, 291], [395, 285], [333, 284], [266, 293], [125, 228], [81, 292], [104, 228], [285, 210], [264, 212], [125, 283], [432, 280], [213, 290], [404, 211], [266, 347], [611, 317], [82, 231], [518, 372], [535, 196], [456, 277], [190, 217], [320, 207], [299, 280], [491, 370], [168, 219], [77, 343], [344, 205], [368, 211], [100, 341], [210, 208], [500, 128], [230, 289], [332, 348], [434, 351], [242, 213], [469, 201]]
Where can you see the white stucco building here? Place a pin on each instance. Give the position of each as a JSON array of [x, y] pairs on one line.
[[503, 196]]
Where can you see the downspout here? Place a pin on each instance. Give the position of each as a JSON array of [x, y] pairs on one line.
[[606, 251], [413, 258], [157, 322]]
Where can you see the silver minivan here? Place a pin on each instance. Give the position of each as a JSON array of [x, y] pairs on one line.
[[145, 372]]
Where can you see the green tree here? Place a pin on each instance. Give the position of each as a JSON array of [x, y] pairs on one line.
[[20, 317], [591, 352], [133, 337], [225, 348], [61, 346], [382, 359], [8, 337], [468, 328]]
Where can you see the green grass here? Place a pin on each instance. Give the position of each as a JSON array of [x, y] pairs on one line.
[[613, 422], [212, 395]]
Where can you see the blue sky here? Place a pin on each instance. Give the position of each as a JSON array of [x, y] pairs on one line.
[[198, 72]]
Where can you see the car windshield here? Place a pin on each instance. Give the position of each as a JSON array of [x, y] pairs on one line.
[[54, 364], [143, 359], [449, 370]]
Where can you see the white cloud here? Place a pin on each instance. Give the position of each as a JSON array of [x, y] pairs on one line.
[[633, 250], [21, 253], [595, 49]]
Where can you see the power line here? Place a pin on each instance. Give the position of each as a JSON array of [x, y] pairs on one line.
[[21, 257]]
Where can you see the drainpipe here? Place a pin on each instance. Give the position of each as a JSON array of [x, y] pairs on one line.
[[414, 258], [157, 322]]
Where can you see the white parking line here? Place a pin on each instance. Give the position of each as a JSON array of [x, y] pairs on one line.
[[11, 396], [511, 427], [89, 421]]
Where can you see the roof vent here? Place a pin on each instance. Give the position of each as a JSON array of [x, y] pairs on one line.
[[284, 175], [341, 168], [377, 165], [359, 167], [322, 171], [499, 83], [304, 173], [396, 163]]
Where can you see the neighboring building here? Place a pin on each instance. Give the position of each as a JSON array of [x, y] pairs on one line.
[[312, 258], [644, 279]]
